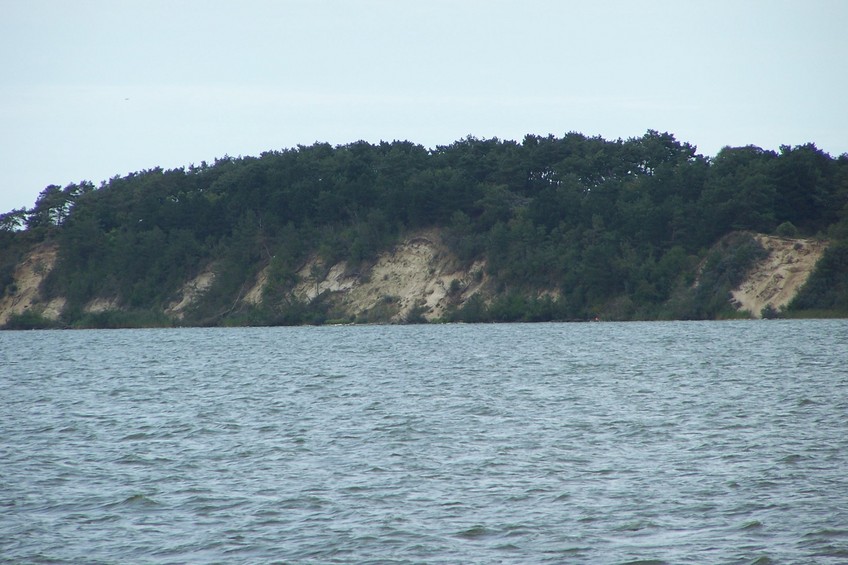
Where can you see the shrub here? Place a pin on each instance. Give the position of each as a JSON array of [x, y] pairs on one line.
[[787, 229], [29, 320]]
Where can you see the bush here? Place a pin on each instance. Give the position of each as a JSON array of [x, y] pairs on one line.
[[786, 229], [827, 287], [29, 320], [416, 315], [723, 270], [118, 319], [769, 312]]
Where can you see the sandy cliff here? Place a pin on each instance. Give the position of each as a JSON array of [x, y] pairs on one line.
[[28, 276], [417, 278], [775, 280]]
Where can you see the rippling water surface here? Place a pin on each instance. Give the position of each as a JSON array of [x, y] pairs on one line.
[[717, 442]]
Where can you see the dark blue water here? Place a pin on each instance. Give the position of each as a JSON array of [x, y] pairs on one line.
[[552, 443]]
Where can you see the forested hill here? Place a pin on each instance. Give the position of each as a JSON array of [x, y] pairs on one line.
[[568, 227]]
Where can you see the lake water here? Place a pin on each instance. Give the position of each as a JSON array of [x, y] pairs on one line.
[[703, 442]]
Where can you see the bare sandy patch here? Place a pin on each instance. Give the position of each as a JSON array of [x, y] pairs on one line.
[[254, 295], [99, 305], [418, 275], [775, 280], [28, 276], [190, 292]]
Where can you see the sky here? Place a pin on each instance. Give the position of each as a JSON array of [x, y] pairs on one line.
[[91, 89]]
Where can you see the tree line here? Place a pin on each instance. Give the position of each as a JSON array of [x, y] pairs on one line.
[[615, 226]]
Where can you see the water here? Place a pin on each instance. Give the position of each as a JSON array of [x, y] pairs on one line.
[[717, 442]]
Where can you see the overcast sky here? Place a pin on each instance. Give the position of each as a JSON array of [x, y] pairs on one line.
[[90, 89]]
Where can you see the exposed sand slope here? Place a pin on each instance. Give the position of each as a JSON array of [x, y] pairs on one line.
[[254, 294], [190, 292], [775, 280], [99, 305], [29, 275], [417, 273]]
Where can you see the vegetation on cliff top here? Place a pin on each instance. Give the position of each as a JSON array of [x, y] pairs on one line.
[[617, 228]]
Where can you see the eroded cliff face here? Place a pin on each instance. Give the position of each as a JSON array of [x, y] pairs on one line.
[[28, 276], [417, 278], [421, 273], [775, 280], [190, 293]]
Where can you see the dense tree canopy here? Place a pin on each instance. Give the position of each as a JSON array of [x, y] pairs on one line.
[[613, 225]]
